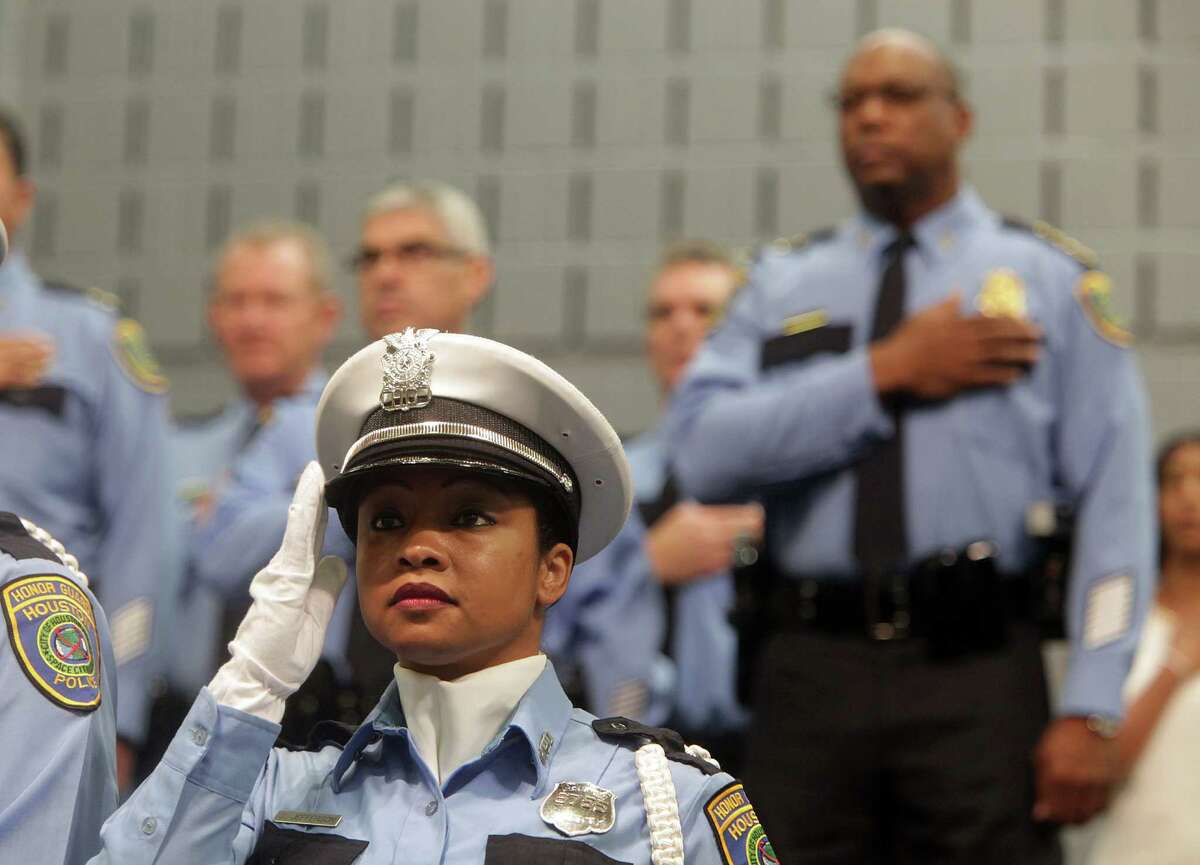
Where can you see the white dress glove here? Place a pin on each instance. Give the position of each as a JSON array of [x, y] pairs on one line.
[[279, 642]]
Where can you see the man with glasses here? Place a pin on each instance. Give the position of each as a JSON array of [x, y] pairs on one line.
[[423, 261], [912, 393]]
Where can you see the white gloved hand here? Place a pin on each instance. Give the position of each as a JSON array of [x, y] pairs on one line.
[[279, 642]]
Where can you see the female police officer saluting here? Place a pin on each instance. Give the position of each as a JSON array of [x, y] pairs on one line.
[[472, 477]]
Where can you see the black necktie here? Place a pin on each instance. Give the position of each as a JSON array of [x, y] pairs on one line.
[[651, 512], [880, 530]]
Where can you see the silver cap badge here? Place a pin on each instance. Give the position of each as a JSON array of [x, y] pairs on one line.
[[577, 808], [407, 368]]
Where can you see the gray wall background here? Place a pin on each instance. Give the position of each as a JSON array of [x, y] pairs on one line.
[[592, 131]]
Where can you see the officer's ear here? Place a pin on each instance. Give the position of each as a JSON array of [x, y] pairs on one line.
[[20, 203], [554, 573]]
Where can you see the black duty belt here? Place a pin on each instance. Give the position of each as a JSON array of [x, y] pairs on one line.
[[958, 600]]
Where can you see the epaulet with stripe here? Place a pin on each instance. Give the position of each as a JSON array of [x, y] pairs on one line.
[[1059, 239], [796, 242], [194, 420], [632, 734], [106, 299]]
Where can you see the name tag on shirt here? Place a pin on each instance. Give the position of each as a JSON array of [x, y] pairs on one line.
[[308, 818]]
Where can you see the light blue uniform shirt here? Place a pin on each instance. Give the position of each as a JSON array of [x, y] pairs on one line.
[[250, 510], [611, 624], [220, 782], [58, 767], [1073, 430], [202, 454], [93, 475]]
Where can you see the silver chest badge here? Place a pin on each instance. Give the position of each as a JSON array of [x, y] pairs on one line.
[[577, 808], [407, 368]]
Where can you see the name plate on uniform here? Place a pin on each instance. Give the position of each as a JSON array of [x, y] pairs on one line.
[[308, 818]]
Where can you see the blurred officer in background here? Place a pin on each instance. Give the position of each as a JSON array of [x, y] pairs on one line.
[[644, 629], [84, 420], [57, 703], [272, 312], [903, 389], [423, 261]]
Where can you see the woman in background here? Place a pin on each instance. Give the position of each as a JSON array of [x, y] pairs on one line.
[[1153, 820]]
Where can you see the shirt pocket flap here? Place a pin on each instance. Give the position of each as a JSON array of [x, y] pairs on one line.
[[291, 847], [525, 850], [791, 347]]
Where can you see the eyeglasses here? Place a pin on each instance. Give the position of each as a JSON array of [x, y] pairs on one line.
[[413, 254], [894, 95]]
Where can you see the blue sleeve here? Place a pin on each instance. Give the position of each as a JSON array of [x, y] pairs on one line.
[[614, 627], [134, 497], [59, 765], [1102, 449], [250, 508], [199, 804], [249, 514], [737, 430]]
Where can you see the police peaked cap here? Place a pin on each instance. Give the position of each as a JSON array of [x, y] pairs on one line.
[[424, 397]]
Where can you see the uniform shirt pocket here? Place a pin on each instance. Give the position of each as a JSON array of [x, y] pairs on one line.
[[793, 347], [291, 847], [49, 398], [525, 850]]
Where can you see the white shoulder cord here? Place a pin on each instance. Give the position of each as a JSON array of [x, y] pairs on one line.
[[662, 809], [48, 540]]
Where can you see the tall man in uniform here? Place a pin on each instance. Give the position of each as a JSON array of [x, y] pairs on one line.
[[644, 629], [83, 419], [903, 389], [423, 261]]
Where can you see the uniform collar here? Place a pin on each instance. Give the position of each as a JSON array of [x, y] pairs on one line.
[[937, 234], [539, 721]]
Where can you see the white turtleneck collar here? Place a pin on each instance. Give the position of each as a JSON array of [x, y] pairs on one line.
[[450, 723]]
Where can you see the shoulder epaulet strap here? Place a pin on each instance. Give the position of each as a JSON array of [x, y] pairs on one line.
[[796, 242], [106, 299], [22, 539], [18, 543], [1059, 239], [632, 734], [200, 418]]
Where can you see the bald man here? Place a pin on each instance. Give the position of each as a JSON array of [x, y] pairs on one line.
[[908, 391]]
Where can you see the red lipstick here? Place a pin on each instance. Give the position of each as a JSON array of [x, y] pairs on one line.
[[420, 596]]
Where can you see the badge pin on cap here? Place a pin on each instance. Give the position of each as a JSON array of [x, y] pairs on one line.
[[407, 369]]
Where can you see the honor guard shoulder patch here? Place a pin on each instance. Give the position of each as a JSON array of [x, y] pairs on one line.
[[54, 637], [1094, 293], [740, 837], [134, 357]]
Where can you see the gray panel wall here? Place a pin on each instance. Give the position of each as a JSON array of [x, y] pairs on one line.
[[593, 130]]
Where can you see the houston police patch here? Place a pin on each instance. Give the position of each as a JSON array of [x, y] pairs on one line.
[[53, 633], [740, 837]]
